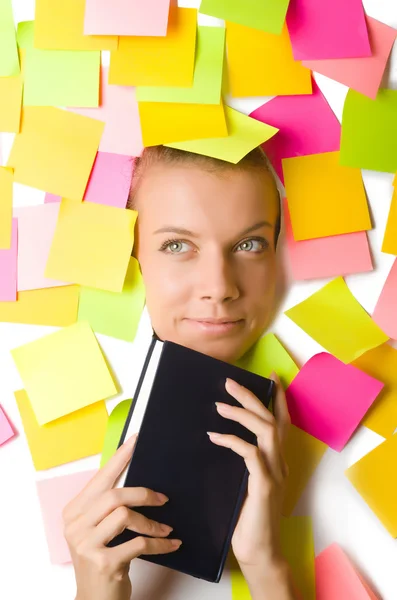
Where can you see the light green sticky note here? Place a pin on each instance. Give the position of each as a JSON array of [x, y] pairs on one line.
[[116, 314], [369, 131], [208, 73], [245, 134], [9, 60], [114, 429], [266, 15]]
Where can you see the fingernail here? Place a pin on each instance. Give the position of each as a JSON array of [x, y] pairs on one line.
[[162, 497], [166, 528], [176, 543], [131, 441], [222, 407], [213, 434], [232, 385]]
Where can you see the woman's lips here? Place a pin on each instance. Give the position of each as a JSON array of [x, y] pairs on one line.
[[214, 328]]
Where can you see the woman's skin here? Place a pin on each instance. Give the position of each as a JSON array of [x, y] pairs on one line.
[[205, 244]]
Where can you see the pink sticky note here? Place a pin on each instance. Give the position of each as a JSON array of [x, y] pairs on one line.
[[119, 111], [328, 399], [126, 17], [361, 74], [327, 257], [385, 314], [36, 227], [336, 577], [307, 126], [6, 430], [8, 267], [54, 494], [327, 29]]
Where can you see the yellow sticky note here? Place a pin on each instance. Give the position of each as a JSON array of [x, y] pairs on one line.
[[324, 197], [56, 307], [66, 439], [115, 425], [65, 146], [165, 122], [60, 26], [158, 60], [303, 453], [297, 545], [92, 245], [63, 372], [262, 64], [389, 244], [374, 477], [336, 320], [10, 103], [6, 179]]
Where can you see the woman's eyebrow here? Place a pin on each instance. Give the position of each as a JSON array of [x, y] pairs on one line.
[[182, 231]]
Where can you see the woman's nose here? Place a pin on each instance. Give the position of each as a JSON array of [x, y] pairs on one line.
[[218, 279]]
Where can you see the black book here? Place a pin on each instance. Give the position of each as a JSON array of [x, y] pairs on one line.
[[173, 408]]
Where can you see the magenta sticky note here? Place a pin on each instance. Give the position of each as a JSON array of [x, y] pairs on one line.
[[306, 125], [126, 17], [327, 29], [385, 313], [328, 399], [54, 494], [8, 267], [6, 430]]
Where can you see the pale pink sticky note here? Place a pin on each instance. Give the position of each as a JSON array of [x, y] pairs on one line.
[[327, 29], [109, 182], [36, 227], [385, 313], [337, 579], [306, 125], [361, 74], [327, 257], [54, 494], [8, 267], [328, 399], [6, 430], [119, 111], [126, 17]]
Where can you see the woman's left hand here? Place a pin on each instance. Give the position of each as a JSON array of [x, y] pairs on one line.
[[256, 538]]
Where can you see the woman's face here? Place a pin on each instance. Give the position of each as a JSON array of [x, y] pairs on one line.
[[205, 244]]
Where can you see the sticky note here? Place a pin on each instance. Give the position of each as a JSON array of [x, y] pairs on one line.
[[245, 134], [385, 310], [166, 122], [381, 363], [115, 425], [9, 61], [126, 17], [91, 245], [60, 26], [65, 147], [10, 103], [332, 29], [361, 74], [54, 494], [329, 256], [306, 125], [297, 546], [303, 454], [6, 430], [328, 399], [389, 244], [8, 267], [261, 64], [72, 437], [166, 60], [335, 319], [343, 207], [208, 71], [266, 15], [6, 194], [56, 307], [67, 365], [369, 131], [374, 477]]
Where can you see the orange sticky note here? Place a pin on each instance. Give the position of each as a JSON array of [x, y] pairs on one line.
[[10, 103], [389, 244], [6, 179]]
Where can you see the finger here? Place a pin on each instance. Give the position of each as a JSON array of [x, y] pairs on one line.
[[281, 411], [248, 399], [126, 552]]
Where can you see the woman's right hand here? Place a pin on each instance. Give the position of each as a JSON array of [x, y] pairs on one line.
[[96, 516]]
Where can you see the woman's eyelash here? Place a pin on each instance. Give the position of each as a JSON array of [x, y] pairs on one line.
[[262, 240], [168, 242]]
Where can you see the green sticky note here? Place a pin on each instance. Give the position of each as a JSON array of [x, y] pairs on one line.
[[369, 131], [116, 314], [114, 429], [9, 60], [266, 15], [208, 71]]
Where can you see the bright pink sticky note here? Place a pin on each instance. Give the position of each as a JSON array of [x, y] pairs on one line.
[[336, 577], [328, 399], [385, 313], [306, 125], [361, 74], [126, 17], [327, 257], [6, 431], [8, 267], [119, 111], [327, 29], [54, 494]]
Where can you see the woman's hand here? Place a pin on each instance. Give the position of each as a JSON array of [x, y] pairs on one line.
[[96, 516]]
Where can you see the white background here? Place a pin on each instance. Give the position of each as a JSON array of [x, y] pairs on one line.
[[339, 514]]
